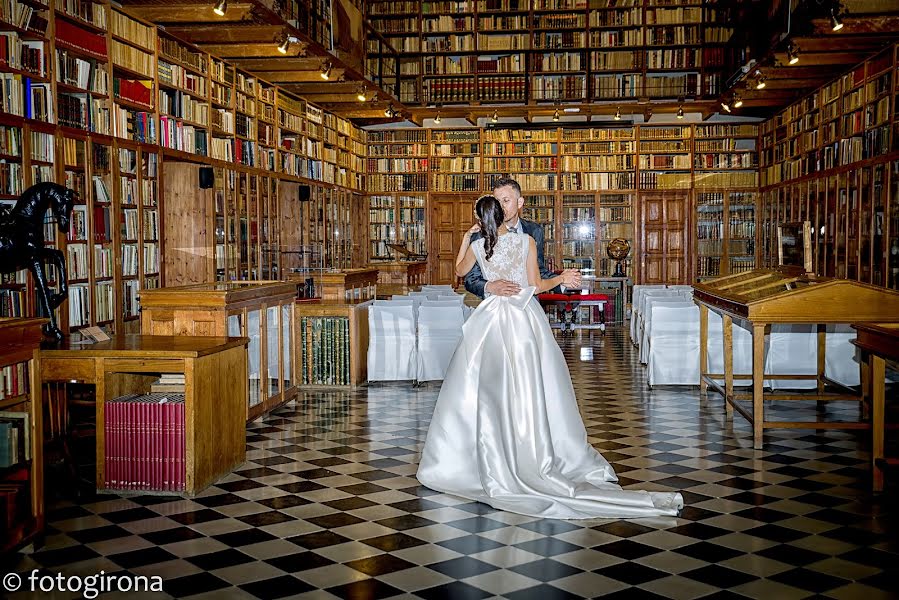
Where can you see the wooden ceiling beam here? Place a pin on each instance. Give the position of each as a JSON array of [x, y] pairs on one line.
[[836, 44], [858, 25], [266, 50], [821, 59], [225, 34], [190, 13], [278, 63], [297, 76]]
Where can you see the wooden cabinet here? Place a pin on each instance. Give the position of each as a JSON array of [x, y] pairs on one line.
[[21, 432], [214, 368], [349, 285], [259, 310]]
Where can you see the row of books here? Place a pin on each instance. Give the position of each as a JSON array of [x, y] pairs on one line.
[[15, 438], [144, 442], [13, 380], [325, 343]]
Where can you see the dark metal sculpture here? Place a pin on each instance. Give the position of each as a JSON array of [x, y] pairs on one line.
[[22, 242]]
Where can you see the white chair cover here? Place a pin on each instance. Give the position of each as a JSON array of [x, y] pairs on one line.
[[648, 300], [641, 313], [439, 332], [791, 350], [742, 348], [391, 341], [673, 357], [841, 363], [441, 289], [636, 296]]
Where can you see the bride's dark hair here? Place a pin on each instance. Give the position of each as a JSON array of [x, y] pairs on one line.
[[490, 213]]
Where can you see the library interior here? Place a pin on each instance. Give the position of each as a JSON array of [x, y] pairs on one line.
[[229, 237]]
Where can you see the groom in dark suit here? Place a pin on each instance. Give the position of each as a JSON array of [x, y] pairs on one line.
[[508, 192]]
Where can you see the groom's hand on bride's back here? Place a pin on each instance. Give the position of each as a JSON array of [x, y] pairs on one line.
[[502, 287]]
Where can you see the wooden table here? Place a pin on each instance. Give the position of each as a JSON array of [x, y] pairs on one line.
[[215, 399], [878, 342], [766, 296]]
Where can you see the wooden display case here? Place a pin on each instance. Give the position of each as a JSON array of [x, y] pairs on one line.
[[21, 483], [259, 310], [349, 285], [400, 277], [331, 344]]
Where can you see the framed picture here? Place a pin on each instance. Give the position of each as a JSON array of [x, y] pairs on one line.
[[794, 245]]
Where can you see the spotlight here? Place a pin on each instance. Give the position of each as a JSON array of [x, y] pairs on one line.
[[326, 70], [680, 112], [284, 44], [220, 7], [647, 114], [738, 101], [437, 118], [388, 112], [556, 115], [618, 113], [725, 106], [360, 95], [760, 84], [835, 19], [792, 54], [495, 117]]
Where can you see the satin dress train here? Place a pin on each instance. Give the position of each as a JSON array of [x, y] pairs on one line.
[[506, 429]]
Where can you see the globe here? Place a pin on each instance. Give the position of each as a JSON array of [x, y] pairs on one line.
[[618, 249]]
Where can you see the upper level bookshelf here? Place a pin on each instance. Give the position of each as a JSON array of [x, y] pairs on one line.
[[558, 50]]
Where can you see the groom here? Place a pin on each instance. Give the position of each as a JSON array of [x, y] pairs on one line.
[[508, 192]]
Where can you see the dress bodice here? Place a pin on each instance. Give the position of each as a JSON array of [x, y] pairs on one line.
[[509, 260]]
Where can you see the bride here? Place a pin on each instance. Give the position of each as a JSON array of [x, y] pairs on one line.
[[506, 430]]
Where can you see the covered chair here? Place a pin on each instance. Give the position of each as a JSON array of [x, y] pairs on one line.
[[391, 341], [673, 356], [439, 331]]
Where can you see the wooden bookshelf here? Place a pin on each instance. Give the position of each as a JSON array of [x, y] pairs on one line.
[[22, 481], [490, 51], [832, 158], [107, 104]]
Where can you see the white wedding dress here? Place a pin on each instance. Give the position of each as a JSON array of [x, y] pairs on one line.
[[506, 430]]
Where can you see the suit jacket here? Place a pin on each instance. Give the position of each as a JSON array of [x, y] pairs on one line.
[[475, 282]]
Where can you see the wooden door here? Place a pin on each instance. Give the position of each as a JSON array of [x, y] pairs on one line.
[[451, 216], [664, 242]]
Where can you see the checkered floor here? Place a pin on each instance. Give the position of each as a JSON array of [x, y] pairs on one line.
[[327, 506]]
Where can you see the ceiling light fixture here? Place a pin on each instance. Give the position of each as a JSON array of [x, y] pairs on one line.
[[437, 118], [618, 113], [725, 105], [220, 7], [835, 20], [792, 54], [680, 112], [760, 84], [326, 70], [283, 44], [388, 112], [738, 101], [360, 95], [495, 117], [556, 115]]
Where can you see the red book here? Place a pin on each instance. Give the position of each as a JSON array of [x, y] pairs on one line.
[[179, 424]]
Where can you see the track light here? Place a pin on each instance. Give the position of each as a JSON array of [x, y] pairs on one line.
[[284, 44], [495, 117], [835, 20], [388, 112], [374, 98], [680, 112], [725, 106], [556, 115], [326, 70], [792, 54], [738, 101], [220, 7], [618, 113], [760, 84], [437, 118], [360, 95]]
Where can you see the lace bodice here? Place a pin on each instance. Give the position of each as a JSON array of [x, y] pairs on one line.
[[509, 260]]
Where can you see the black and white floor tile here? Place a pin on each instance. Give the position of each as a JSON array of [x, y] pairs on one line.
[[327, 506]]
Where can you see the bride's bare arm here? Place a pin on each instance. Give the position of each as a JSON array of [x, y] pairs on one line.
[[465, 259], [566, 277]]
